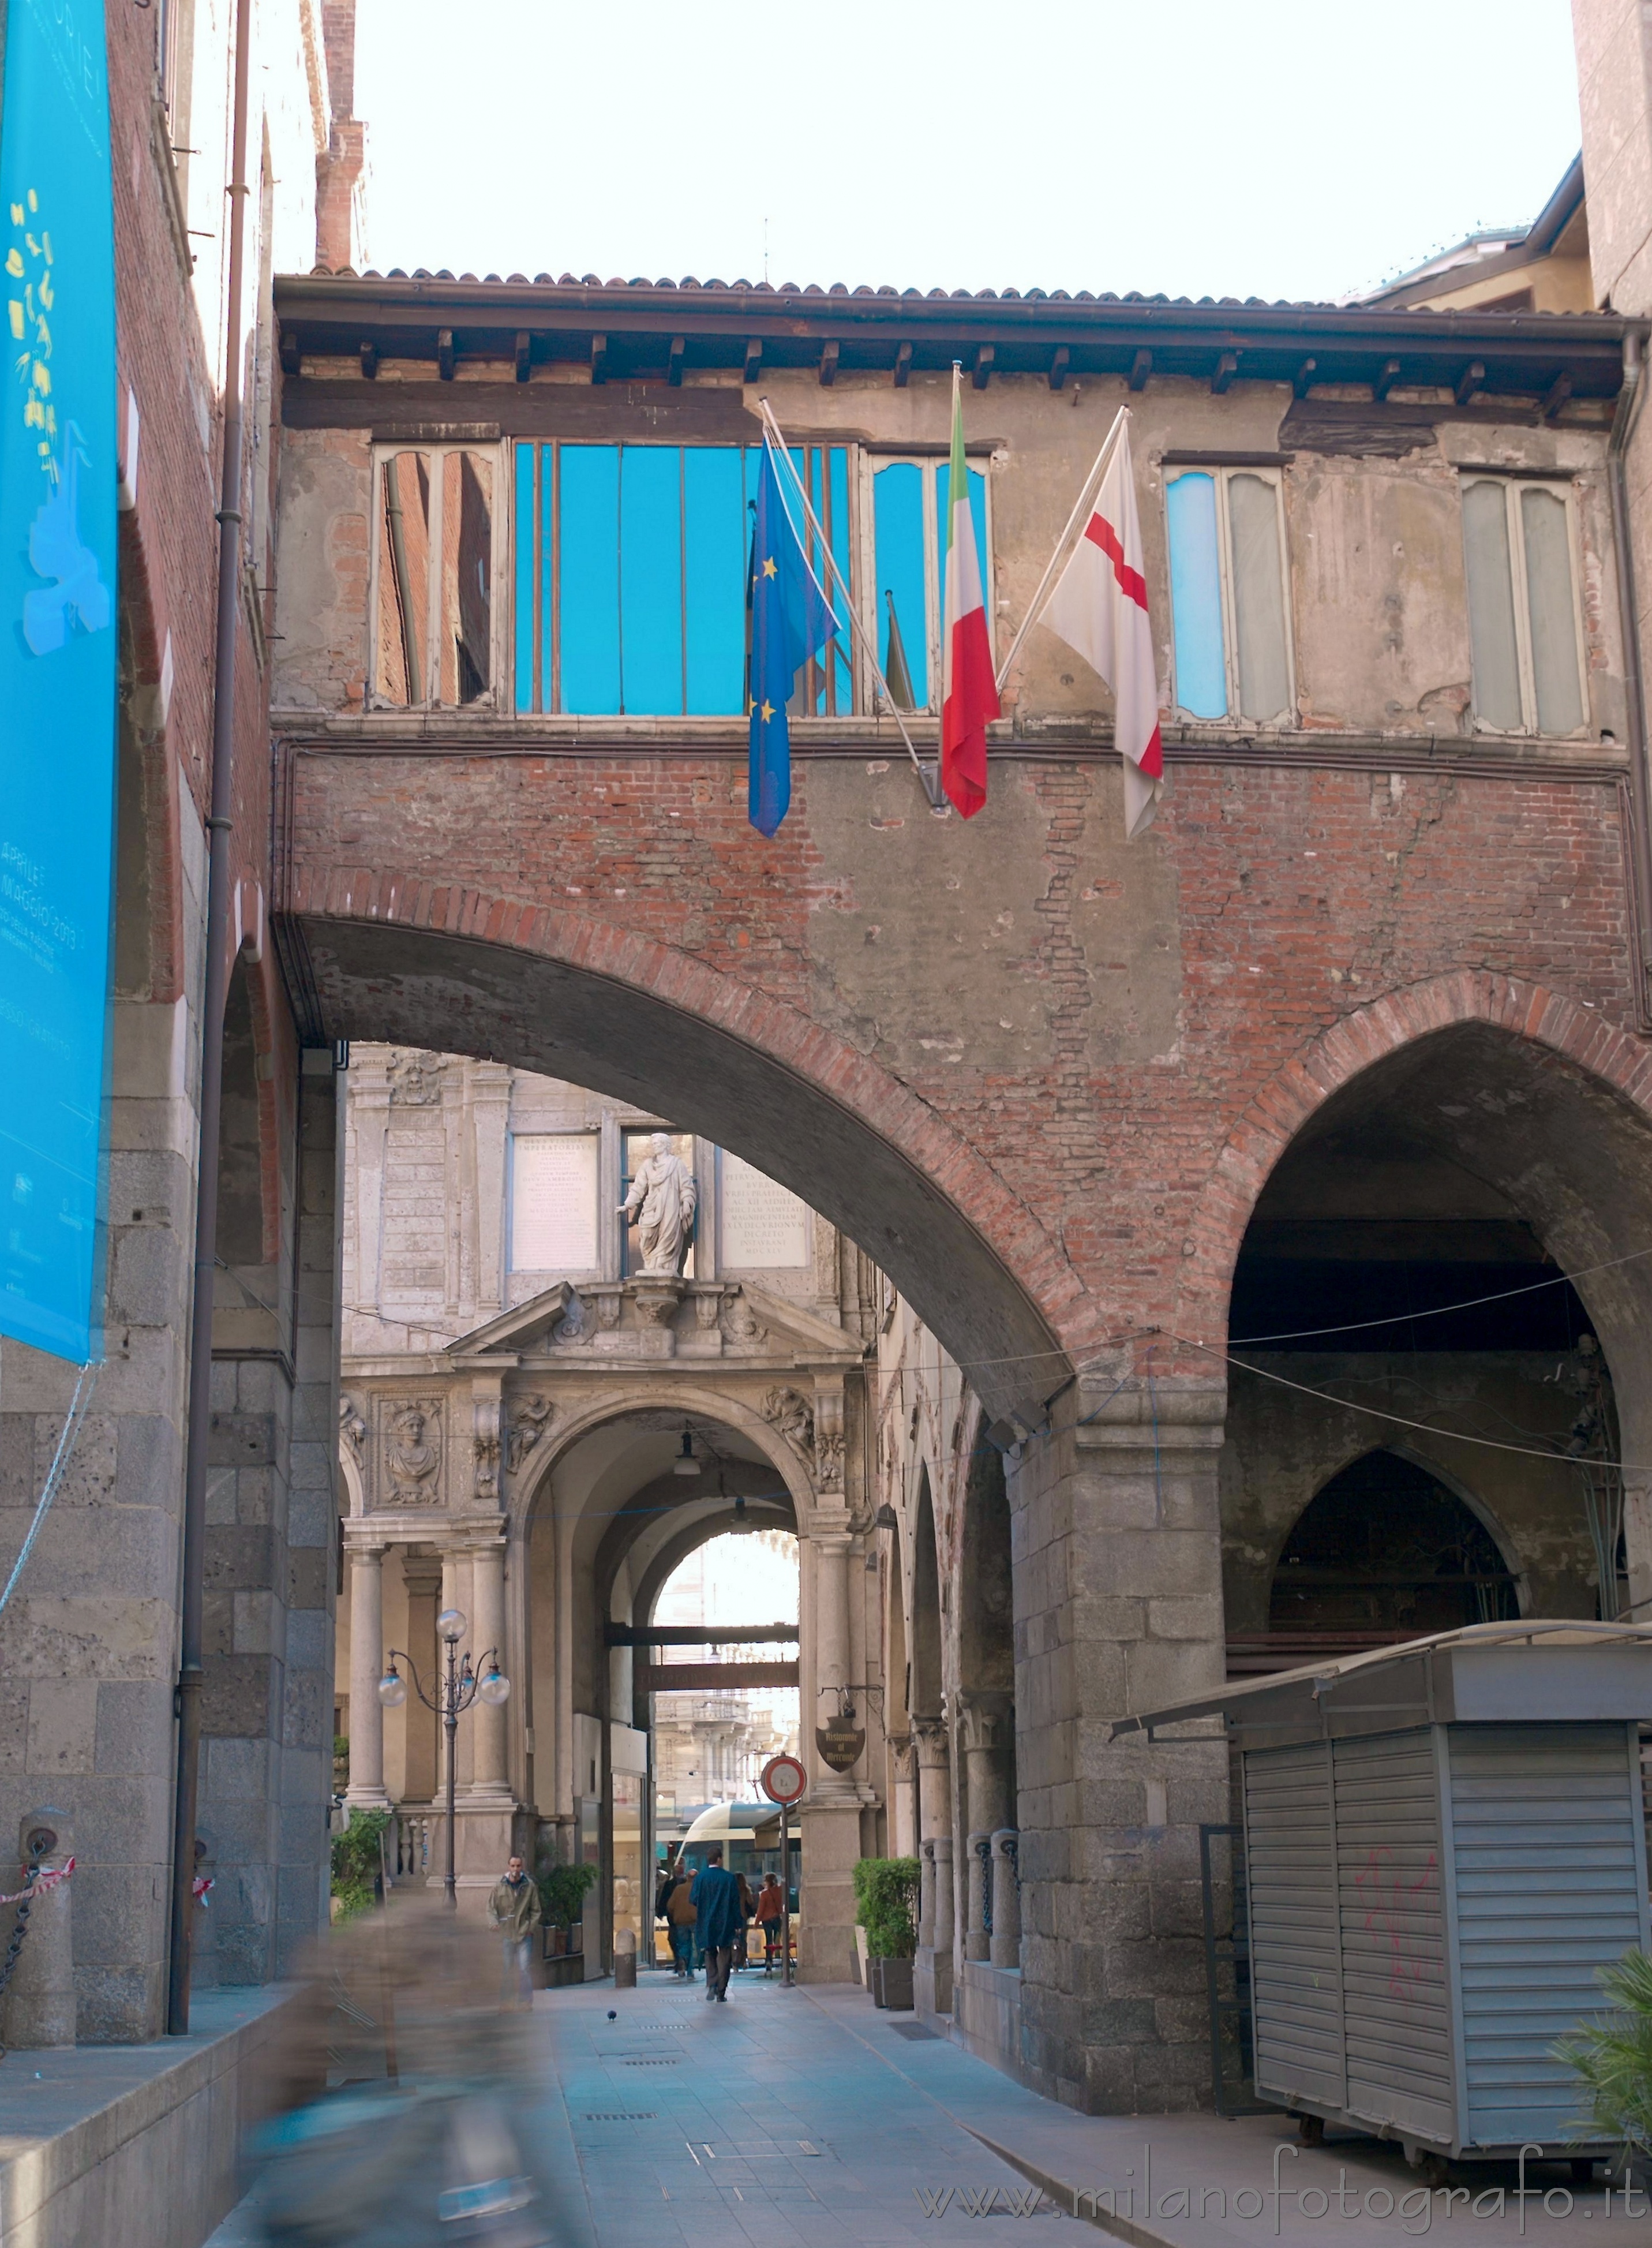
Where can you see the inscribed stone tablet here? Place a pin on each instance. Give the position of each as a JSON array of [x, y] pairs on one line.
[[765, 1226], [554, 1202]]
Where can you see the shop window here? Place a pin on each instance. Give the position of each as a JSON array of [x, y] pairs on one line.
[[631, 564], [1228, 595], [433, 568], [554, 1202], [909, 503], [1524, 628]]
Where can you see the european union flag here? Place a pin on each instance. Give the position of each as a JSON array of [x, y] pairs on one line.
[[792, 619]]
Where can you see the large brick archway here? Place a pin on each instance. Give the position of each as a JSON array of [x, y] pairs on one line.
[[470, 972]]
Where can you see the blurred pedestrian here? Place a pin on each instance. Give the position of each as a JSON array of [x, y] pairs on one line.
[[748, 1906], [715, 1896], [770, 1913], [682, 1917], [518, 1914]]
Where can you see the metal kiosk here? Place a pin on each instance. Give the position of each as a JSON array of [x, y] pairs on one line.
[[1443, 1841]]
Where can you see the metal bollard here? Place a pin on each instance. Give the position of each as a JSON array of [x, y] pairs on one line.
[[40, 2002]]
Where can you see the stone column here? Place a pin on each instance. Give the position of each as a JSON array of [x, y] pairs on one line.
[[422, 1575], [831, 1627], [932, 1967], [945, 1922], [978, 1897], [1111, 1937], [926, 1895], [488, 1774], [988, 1717], [1005, 1948], [367, 1787]]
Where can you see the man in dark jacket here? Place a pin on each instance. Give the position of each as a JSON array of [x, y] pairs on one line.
[[715, 1896]]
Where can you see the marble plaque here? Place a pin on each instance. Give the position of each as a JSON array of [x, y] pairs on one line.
[[765, 1226], [553, 1202]]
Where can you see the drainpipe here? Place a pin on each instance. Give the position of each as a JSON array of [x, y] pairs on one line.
[[1624, 420], [212, 1013]]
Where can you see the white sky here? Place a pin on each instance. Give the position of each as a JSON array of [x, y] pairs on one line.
[[1298, 148]]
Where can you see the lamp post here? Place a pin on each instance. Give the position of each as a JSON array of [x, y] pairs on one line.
[[454, 1694]]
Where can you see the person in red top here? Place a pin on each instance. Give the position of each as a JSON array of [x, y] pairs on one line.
[[771, 1912]]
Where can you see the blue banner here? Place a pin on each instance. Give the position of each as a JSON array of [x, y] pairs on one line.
[[57, 649]]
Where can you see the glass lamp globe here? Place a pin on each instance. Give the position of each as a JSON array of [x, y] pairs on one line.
[[493, 1689], [450, 1624], [393, 1689]]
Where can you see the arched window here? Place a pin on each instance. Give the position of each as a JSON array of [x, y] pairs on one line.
[[1386, 1550]]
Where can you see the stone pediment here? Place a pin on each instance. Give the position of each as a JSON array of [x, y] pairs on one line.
[[647, 1317]]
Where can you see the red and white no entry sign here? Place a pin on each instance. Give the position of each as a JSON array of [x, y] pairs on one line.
[[783, 1779]]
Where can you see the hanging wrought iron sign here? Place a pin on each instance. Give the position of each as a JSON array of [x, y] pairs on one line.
[[841, 1742]]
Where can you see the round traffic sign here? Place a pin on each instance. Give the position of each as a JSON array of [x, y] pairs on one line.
[[783, 1779]]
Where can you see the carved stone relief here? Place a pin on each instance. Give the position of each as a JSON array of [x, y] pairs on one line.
[[571, 1327], [415, 1077], [413, 1452], [828, 1438], [486, 1450], [529, 1417], [741, 1324], [790, 1414], [352, 1429]]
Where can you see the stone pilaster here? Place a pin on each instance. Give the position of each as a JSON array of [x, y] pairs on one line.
[[367, 1788]]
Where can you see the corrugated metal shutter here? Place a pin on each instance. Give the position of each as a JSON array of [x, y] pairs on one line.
[[1547, 1882], [1396, 2017], [1295, 1967]]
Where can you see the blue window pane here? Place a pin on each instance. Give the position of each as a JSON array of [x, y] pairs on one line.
[[548, 472], [714, 537], [840, 527], [651, 578], [897, 527], [588, 562], [1196, 597], [524, 553]]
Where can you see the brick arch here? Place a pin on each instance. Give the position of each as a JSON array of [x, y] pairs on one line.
[[411, 961], [1613, 1059]]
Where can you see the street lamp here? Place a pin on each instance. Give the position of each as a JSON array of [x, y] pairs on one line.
[[454, 1694]]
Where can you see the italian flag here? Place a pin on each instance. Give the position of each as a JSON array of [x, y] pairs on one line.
[[971, 695]]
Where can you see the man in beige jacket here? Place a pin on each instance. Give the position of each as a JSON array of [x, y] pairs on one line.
[[517, 1914]]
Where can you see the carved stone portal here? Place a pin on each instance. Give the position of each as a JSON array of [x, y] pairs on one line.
[[413, 1453]]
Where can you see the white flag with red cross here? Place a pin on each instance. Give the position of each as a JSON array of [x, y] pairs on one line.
[[1099, 607]]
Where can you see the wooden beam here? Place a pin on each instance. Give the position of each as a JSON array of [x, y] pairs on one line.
[[1302, 381], [598, 359], [674, 362], [525, 355], [711, 1678], [980, 375], [902, 365], [753, 359], [699, 1635], [829, 364], [1141, 368], [1471, 378], [1226, 367], [1387, 375], [1058, 366], [1560, 390], [369, 352], [444, 354]]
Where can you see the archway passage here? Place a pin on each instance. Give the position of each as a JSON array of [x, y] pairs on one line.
[[648, 1024], [1386, 1552]]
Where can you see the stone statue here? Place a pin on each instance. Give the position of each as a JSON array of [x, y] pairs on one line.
[[662, 1204]]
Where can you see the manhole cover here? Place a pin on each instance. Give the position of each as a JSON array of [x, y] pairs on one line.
[[669, 2061], [646, 2115]]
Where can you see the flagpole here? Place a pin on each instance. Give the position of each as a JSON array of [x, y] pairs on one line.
[[931, 785], [1086, 491]]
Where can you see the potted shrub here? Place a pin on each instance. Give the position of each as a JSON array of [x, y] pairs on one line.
[[563, 1890], [886, 1892], [1612, 2059], [357, 1865]]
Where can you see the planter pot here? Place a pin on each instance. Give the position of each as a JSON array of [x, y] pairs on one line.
[[892, 1984]]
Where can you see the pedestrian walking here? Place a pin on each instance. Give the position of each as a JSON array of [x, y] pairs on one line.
[[771, 1912], [748, 1906], [518, 1914], [681, 1917], [715, 1896]]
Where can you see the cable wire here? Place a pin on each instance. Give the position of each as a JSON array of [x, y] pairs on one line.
[[79, 1406]]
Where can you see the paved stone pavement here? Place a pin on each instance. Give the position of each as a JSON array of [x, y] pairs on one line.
[[807, 2118]]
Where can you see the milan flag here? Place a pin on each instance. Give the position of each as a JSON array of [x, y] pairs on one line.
[[1099, 607], [971, 695]]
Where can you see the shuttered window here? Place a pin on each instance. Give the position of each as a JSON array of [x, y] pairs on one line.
[[436, 643], [630, 578], [1523, 614], [1230, 615]]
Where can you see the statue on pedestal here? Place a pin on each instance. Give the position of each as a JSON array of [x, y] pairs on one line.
[[661, 1204]]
